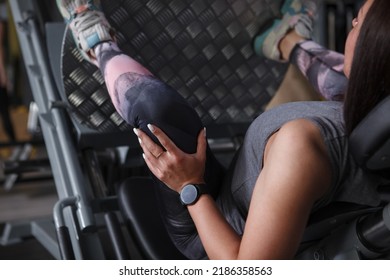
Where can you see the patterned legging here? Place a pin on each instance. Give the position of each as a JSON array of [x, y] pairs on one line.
[[140, 98], [323, 68]]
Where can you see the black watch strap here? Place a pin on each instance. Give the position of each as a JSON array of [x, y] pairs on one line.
[[191, 193], [203, 189]]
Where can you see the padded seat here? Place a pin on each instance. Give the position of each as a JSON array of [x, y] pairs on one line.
[[138, 204]]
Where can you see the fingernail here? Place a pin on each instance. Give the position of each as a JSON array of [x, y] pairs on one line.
[[136, 131], [151, 128], [139, 140], [143, 155], [205, 132]]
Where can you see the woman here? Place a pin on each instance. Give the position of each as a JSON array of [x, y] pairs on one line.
[[294, 158]]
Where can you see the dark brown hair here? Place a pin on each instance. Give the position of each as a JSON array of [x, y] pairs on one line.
[[369, 80]]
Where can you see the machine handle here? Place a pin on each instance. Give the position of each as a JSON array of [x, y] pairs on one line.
[[65, 243]]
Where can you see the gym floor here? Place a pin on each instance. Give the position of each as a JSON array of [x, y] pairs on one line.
[[25, 201]]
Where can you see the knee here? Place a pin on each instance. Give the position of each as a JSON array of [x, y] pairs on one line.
[[142, 98], [148, 100]]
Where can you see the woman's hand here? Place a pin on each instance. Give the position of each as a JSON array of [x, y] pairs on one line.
[[170, 164]]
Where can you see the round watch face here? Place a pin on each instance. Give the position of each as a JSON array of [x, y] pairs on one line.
[[189, 194]]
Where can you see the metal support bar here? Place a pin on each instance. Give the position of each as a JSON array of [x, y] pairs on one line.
[[14, 233], [20, 153], [44, 232], [26, 166], [116, 236], [67, 171]]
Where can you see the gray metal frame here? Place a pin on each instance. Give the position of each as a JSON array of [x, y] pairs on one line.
[[71, 184]]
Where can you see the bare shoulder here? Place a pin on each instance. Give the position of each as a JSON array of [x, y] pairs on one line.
[[298, 151], [300, 134], [296, 173], [301, 127]]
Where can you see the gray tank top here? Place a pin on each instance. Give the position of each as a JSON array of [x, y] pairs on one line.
[[349, 183]]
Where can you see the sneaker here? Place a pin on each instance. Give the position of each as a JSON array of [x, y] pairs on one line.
[[298, 15], [88, 24]]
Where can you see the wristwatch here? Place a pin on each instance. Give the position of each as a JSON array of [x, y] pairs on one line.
[[190, 193]]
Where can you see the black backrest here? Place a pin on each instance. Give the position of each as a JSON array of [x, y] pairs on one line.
[[201, 48], [370, 140]]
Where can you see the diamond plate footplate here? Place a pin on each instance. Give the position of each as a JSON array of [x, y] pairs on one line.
[[201, 48]]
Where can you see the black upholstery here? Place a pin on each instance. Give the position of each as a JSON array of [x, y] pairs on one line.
[[370, 141], [139, 206]]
